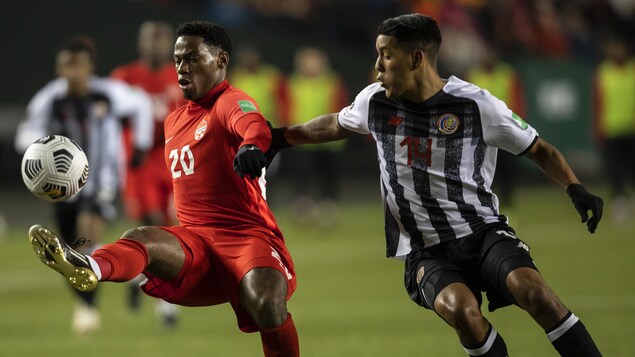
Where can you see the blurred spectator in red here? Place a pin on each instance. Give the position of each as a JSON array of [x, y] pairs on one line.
[[551, 39], [148, 194]]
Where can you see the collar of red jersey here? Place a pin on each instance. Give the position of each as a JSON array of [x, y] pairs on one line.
[[208, 99]]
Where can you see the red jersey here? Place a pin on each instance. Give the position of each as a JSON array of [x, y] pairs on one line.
[[161, 85], [200, 146]]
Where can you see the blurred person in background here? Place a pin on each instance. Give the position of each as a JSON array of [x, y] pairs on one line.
[[614, 120], [89, 110], [266, 83], [503, 82], [437, 141], [227, 247], [315, 88], [148, 194]]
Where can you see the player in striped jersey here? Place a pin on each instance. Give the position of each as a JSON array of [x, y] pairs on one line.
[[437, 141], [89, 110]]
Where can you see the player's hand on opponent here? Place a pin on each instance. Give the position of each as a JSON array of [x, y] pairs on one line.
[[249, 161], [278, 142], [585, 201]]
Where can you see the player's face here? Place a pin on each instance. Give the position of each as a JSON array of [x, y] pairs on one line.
[[199, 66], [394, 67], [76, 68], [155, 43]]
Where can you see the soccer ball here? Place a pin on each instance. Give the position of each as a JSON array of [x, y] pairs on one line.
[[54, 168]]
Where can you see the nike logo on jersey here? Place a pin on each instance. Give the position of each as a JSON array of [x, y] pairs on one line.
[[168, 139]]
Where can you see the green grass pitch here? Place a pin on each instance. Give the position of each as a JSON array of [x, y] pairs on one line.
[[350, 299]]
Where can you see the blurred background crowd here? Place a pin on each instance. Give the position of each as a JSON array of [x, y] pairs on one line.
[[313, 56]]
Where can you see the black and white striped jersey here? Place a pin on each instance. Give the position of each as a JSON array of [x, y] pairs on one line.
[[437, 159], [93, 122]]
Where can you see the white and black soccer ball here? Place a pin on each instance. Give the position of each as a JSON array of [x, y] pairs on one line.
[[54, 168]]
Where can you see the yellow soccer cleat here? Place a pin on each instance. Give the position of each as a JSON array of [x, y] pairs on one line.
[[59, 256]]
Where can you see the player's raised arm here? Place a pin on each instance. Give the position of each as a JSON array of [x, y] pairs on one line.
[[322, 129], [554, 165], [250, 159]]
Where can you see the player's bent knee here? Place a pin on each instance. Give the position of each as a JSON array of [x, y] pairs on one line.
[[263, 296], [458, 307], [463, 316]]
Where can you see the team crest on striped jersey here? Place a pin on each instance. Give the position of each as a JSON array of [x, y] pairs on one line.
[[200, 129], [448, 123]]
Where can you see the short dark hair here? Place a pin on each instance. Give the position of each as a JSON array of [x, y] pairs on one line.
[[417, 29], [81, 44], [212, 34]]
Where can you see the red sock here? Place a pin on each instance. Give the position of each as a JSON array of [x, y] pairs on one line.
[[122, 260], [281, 341]]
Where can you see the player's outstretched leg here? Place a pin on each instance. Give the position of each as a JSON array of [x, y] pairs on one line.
[[59, 256], [566, 332]]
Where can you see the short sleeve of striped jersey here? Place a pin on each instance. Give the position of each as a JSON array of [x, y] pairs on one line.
[[355, 116], [502, 128]]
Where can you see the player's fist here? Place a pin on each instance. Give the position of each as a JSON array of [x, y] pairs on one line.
[[249, 161], [584, 202]]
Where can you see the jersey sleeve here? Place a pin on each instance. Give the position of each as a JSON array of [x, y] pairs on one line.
[[134, 103], [38, 115], [502, 128], [355, 116], [235, 106]]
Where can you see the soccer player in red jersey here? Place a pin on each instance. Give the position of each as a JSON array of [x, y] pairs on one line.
[[228, 247], [148, 190]]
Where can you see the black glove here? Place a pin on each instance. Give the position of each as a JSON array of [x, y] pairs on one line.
[[278, 142], [138, 156], [249, 161], [584, 201]]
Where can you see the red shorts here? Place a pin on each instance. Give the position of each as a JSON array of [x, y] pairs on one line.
[[216, 261], [149, 187]]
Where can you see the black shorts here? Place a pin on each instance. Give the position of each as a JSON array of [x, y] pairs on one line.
[[481, 261], [66, 213]]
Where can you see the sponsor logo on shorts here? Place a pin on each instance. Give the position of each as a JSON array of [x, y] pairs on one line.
[[276, 255], [420, 274], [506, 234], [524, 246]]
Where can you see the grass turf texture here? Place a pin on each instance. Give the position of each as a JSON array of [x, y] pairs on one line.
[[350, 299]]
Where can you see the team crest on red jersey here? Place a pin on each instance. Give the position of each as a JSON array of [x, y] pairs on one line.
[[448, 123], [200, 129]]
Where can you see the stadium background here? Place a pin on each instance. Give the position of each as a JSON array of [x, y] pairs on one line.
[[350, 299]]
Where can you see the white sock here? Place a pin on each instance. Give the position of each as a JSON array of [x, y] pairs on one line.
[[564, 327], [94, 266]]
